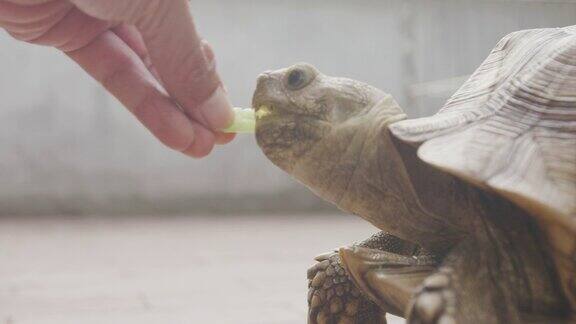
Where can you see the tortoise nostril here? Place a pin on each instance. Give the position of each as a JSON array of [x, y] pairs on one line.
[[263, 77]]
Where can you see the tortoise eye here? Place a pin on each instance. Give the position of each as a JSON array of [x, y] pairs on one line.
[[298, 78]]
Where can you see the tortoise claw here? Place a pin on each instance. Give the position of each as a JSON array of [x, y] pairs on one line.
[[435, 302], [324, 256], [388, 279]]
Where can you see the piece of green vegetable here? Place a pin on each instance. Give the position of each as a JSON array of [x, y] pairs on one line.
[[244, 121]]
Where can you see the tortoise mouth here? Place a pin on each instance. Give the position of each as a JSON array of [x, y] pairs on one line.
[[264, 110], [276, 136], [286, 137]]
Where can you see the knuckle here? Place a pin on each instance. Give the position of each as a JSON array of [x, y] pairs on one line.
[[198, 78], [128, 11]]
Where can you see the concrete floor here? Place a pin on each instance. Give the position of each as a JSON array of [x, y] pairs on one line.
[[169, 269]]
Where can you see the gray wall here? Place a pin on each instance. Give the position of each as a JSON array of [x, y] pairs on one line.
[[68, 147]]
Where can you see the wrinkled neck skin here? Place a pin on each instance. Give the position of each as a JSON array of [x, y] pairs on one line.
[[358, 168]]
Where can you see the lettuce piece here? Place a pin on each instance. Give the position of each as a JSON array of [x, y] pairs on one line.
[[244, 121]]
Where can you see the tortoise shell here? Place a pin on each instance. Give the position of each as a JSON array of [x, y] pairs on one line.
[[511, 127]]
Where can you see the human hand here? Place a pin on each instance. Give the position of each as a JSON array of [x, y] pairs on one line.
[[146, 53]]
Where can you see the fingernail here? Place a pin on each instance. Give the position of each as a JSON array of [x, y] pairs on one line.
[[224, 138], [217, 110]]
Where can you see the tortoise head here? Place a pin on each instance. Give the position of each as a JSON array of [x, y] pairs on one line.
[[302, 113], [332, 135]]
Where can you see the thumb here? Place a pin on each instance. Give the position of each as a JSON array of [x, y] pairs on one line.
[[185, 64]]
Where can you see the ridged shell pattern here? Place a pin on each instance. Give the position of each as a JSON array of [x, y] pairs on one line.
[[512, 126]]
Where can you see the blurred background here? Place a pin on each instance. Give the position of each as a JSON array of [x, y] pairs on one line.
[[102, 224]]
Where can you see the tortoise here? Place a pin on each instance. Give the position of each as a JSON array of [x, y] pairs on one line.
[[475, 205]]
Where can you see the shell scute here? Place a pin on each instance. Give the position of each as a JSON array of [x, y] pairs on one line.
[[512, 126]]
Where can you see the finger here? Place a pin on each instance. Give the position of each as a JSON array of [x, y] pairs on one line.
[[29, 22], [185, 64], [18, 13], [110, 61], [132, 37], [72, 31], [30, 2], [202, 135], [224, 138]]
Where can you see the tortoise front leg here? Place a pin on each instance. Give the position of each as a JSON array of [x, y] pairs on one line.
[[334, 298]]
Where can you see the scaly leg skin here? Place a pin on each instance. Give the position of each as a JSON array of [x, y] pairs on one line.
[[333, 298]]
